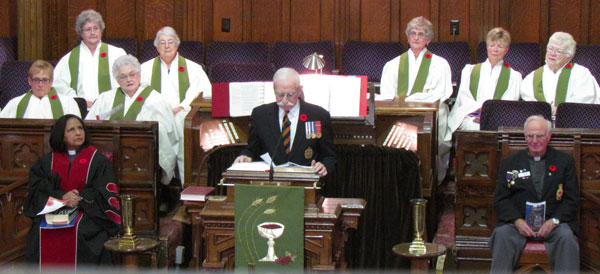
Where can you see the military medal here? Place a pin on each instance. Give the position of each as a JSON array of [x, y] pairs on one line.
[[511, 176], [307, 130], [559, 192], [308, 153], [318, 129], [313, 134]]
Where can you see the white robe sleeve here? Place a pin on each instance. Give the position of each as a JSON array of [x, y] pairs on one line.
[[389, 80], [198, 83], [10, 110], [62, 77], [70, 106]]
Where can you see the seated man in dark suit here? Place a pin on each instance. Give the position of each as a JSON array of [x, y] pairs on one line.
[[291, 129], [539, 173]]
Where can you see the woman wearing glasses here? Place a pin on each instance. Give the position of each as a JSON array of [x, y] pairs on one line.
[[131, 101], [41, 101], [85, 71], [560, 80]]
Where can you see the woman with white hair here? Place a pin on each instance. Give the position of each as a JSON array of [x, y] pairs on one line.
[[85, 71], [560, 80], [419, 70], [132, 101], [178, 79], [492, 79]]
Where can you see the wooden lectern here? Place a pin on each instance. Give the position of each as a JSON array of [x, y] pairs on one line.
[[325, 220]]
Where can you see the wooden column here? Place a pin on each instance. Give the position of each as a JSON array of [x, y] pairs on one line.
[[31, 16]]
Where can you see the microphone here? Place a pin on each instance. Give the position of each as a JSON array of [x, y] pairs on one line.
[[272, 169]]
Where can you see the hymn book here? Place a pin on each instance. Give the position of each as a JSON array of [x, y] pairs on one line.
[[196, 193], [535, 214], [62, 216]]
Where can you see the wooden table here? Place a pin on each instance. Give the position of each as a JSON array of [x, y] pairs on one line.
[[419, 262], [129, 258]]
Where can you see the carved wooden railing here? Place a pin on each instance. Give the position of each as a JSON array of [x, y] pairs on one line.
[[14, 225]]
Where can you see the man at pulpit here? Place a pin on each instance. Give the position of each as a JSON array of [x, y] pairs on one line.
[[290, 129], [537, 174]]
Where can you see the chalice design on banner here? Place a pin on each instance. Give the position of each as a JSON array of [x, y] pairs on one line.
[[271, 231]]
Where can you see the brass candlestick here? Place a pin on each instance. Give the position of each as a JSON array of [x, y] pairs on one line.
[[128, 240], [418, 245]]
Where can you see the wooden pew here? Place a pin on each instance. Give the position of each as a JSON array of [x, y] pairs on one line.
[[133, 147], [478, 157]]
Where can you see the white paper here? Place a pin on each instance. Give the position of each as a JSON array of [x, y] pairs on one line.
[[244, 96], [250, 166], [52, 205]]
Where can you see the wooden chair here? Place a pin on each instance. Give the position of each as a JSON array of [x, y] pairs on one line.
[[534, 256]]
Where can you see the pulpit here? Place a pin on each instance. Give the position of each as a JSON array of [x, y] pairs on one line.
[[325, 220]]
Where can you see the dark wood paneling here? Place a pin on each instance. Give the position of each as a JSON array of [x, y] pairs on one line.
[[157, 14], [121, 15], [410, 10], [231, 9], [449, 10], [8, 22], [305, 20], [565, 15], [525, 21], [375, 20], [594, 29]]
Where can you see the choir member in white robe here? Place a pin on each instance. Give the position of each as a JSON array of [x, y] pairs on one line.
[[437, 79], [140, 103], [42, 101], [544, 84], [178, 79], [467, 109], [87, 74]]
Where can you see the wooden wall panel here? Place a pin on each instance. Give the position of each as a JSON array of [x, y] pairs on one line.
[[121, 15], [157, 14], [594, 23], [565, 15], [8, 20], [409, 10], [450, 10], [375, 20], [305, 20], [266, 21], [231, 9], [525, 21]]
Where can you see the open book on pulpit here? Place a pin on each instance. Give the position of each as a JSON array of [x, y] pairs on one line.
[[341, 95]]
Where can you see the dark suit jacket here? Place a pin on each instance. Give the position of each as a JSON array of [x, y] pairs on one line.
[[510, 201], [265, 133]]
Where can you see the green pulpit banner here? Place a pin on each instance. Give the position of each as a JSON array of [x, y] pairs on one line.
[[269, 228]]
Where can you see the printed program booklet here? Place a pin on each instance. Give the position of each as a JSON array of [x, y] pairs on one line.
[[535, 214]]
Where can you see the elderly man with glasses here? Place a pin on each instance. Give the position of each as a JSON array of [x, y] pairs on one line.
[[85, 71], [560, 80], [290, 129], [41, 101], [537, 174]]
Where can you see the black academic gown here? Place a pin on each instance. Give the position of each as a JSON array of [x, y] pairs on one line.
[[265, 134], [98, 201]]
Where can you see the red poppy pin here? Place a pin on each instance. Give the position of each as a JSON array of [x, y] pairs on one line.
[[427, 55], [53, 96], [552, 168], [103, 54], [569, 66], [303, 117], [82, 161], [181, 69], [140, 98], [506, 64]]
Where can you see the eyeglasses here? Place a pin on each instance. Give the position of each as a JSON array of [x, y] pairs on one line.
[[555, 51], [417, 34], [535, 136], [124, 77], [289, 95], [91, 29], [38, 80], [163, 43]]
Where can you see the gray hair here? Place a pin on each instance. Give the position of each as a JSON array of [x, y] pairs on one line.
[[124, 61], [421, 23], [169, 31], [286, 74], [88, 16], [538, 118], [498, 34], [565, 40]]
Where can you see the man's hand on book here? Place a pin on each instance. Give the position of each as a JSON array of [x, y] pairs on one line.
[[546, 228], [242, 158], [319, 168], [523, 228], [72, 198]]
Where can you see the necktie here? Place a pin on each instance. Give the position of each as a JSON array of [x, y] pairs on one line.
[[285, 132]]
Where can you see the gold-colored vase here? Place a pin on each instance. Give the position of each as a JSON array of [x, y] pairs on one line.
[[418, 208], [128, 240]]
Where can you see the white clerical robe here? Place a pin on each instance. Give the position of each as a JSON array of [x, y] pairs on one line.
[[582, 87], [154, 108], [40, 108], [439, 80], [87, 80], [170, 91], [466, 104]]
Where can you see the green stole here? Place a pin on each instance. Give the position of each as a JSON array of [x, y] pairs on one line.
[[135, 107], [184, 79], [501, 85], [561, 86], [103, 73], [55, 104], [421, 75]]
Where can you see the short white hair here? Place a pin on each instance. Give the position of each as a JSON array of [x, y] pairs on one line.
[[538, 118], [124, 61], [286, 74], [420, 23], [169, 31], [565, 40], [88, 16]]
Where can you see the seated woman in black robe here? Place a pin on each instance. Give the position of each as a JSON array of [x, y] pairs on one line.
[[82, 177]]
